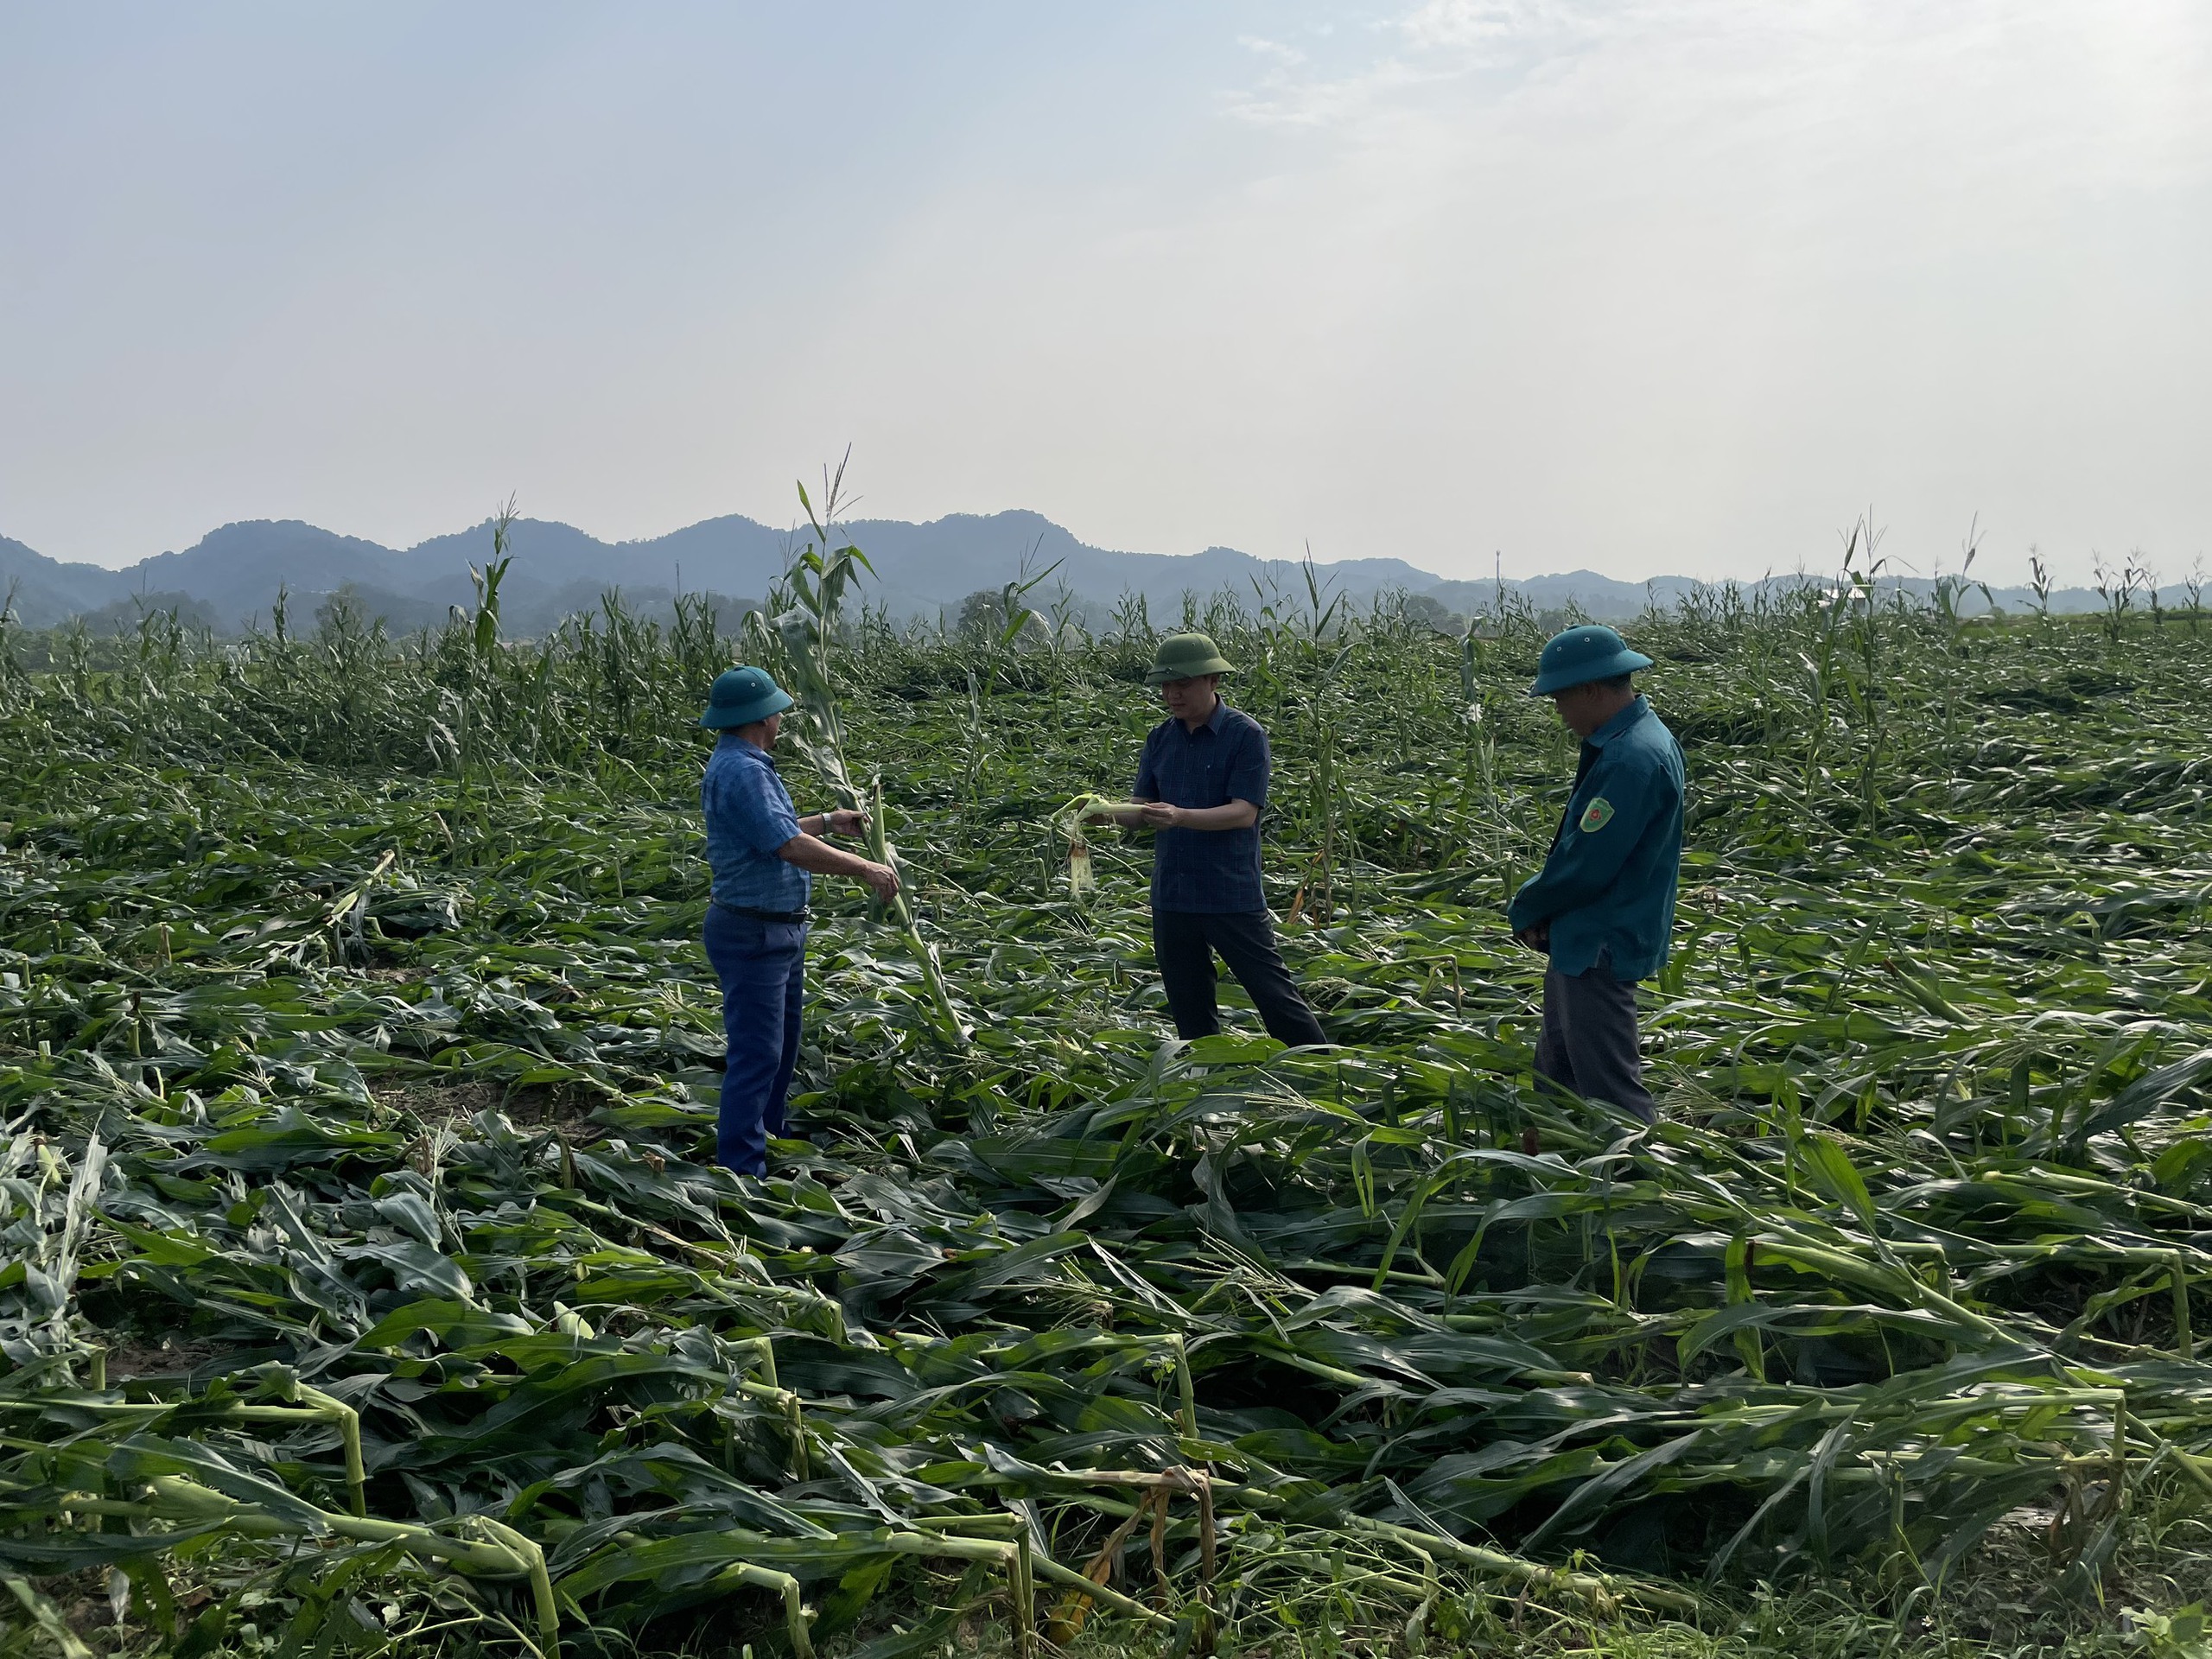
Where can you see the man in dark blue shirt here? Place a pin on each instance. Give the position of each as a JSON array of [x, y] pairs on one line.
[[1204, 781], [1602, 907]]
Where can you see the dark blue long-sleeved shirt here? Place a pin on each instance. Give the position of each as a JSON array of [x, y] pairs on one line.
[[1213, 870], [1608, 886]]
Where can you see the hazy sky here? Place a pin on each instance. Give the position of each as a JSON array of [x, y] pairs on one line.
[[1667, 286]]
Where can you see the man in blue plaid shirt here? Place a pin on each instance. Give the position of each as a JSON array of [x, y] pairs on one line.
[[765, 857], [1204, 780]]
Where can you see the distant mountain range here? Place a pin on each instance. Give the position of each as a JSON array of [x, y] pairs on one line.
[[926, 571]]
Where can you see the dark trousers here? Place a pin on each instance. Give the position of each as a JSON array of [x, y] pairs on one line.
[[1589, 1045], [1185, 942], [762, 966]]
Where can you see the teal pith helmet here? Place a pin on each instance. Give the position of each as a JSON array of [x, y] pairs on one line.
[[742, 696], [1185, 657], [1592, 652]]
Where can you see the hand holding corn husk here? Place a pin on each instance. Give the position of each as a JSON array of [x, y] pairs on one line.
[[1072, 819], [1097, 809]]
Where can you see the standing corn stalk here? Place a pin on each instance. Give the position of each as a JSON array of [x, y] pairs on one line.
[[1328, 797], [807, 609]]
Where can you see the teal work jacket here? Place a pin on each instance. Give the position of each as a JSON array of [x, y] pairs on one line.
[[1607, 888]]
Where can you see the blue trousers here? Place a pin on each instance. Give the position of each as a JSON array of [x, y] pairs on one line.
[[762, 966]]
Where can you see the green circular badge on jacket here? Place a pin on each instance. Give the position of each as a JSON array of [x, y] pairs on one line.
[[1597, 816]]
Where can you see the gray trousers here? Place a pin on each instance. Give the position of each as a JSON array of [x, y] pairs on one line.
[[1589, 1046]]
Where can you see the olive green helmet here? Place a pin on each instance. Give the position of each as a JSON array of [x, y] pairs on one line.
[[1185, 657]]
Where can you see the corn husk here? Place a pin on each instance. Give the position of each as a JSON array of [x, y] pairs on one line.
[[1084, 809], [1071, 821]]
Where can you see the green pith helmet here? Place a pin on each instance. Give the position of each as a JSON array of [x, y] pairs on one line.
[[1579, 656], [741, 696], [1185, 657]]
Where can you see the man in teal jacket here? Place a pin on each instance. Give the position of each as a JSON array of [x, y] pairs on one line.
[[1602, 907]]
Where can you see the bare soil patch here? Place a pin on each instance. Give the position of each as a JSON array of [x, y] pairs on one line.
[[141, 1360], [535, 1107]]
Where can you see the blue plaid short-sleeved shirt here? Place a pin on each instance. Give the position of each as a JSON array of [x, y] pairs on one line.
[[1216, 872], [749, 816]]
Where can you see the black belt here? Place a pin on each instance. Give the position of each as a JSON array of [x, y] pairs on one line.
[[789, 918]]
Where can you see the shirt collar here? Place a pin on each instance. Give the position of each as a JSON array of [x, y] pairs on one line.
[[1213, 721], [744, 750], [1619, 723]]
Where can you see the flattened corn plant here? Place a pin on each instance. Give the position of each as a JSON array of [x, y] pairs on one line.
[[366, 1275]]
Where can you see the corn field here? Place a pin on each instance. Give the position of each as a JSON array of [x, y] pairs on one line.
[[368, 1288]]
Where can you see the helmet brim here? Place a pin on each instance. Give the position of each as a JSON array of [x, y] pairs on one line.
[[1566, 679], [1160, 673], [744, 714]]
